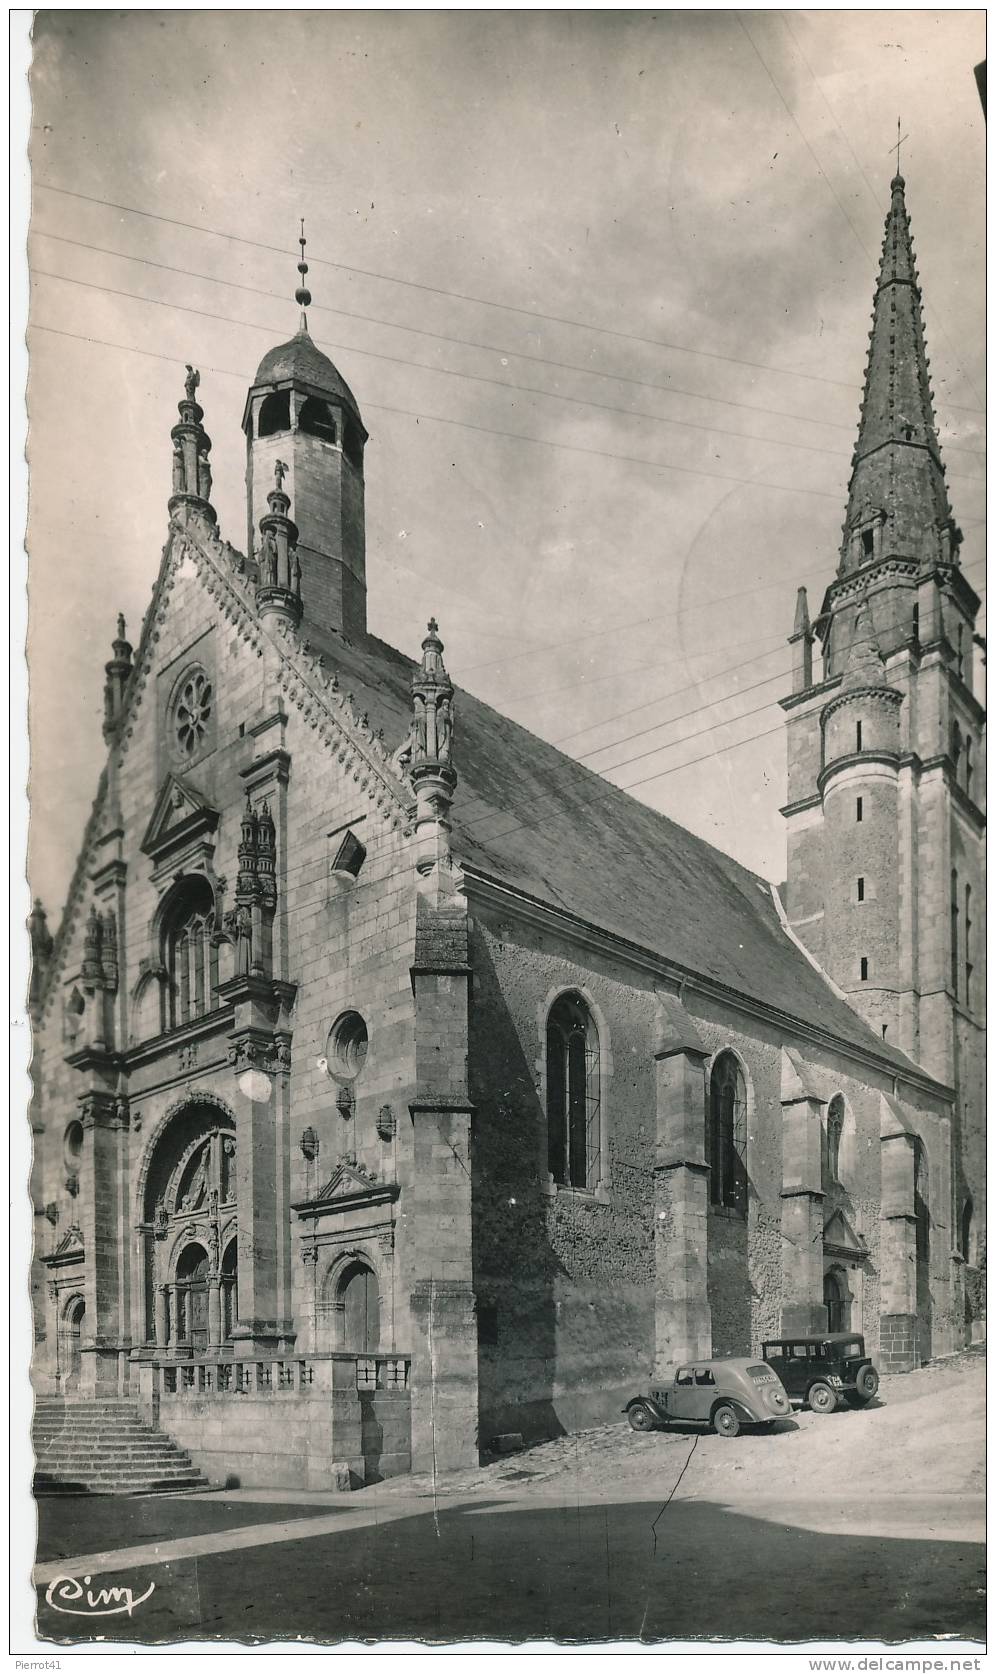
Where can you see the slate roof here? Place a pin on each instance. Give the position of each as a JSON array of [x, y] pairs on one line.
[[533, 818], [301, 361]]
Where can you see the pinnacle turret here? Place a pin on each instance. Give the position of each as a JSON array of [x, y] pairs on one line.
[[897, 499], [191, 450]]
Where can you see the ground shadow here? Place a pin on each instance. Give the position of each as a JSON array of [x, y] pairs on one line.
[[650, 1570]]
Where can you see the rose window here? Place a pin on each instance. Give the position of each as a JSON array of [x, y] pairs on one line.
[[193, 713]]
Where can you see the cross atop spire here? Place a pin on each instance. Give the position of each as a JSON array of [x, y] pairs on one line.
[[897, 498], [900, 136], [302, 296]]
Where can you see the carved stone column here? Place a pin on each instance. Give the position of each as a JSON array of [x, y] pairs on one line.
[[214, 1311], [102, 1207], [161, 1335]]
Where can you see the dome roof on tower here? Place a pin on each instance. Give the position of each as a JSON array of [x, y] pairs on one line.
[[299, 361]]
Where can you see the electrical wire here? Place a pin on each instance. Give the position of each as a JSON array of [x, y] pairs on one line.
[[516, 354], [459, 296], [464, 424], [474, 377]]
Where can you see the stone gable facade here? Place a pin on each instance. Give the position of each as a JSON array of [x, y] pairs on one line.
[[370, 1121]]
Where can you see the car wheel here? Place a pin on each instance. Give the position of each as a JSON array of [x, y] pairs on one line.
[[725, 1421], [822, 1398], [866, 1383], [640, 1418]]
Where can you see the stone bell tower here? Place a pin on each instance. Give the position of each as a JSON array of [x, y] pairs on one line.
[[301, 414], [886, 782]]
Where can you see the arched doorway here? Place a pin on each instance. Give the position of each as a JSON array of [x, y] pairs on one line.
[[838, 1301], [191, 1298], [359, 1300], [72, 1334], [187, 1239]]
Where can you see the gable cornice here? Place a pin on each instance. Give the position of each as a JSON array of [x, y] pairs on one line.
[[315, 692]]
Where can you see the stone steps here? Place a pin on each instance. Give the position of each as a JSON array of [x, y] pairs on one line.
[[103, 1447]]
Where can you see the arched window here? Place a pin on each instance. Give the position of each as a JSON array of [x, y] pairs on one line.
[[728, 1134], [189, 954], [315, 419], [969, 769], [954, 933], [274, 414], [835, 1132], [965, 1230], [573, 1104]]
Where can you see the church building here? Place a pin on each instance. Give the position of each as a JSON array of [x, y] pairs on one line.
[[399, 1083]]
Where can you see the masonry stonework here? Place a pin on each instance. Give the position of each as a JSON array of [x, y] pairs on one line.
[[376, 1116]]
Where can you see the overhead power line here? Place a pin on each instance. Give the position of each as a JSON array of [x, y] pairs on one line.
[[740, 691], [668, 388], [459, 296], [460, 424], [472, 377]]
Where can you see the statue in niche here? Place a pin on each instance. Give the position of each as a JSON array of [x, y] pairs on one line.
[[268, 560], [295, 571], [444, 729], [418, 731], [238, 923], [179, 473], [204, 475]]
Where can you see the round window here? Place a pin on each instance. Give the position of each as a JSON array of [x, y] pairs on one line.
[[346, 1052], [73, 1146], [192, 712]]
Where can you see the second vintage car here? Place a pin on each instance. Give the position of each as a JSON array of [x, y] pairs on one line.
[[727, 1393], [824, 1372]]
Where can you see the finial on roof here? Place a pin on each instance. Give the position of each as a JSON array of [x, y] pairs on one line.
[[427, 754], [302, 296]]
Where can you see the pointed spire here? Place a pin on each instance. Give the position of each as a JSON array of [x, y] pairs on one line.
[[897, 499], [801, 640], [302, 296]]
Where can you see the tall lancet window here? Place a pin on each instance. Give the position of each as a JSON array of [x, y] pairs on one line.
[[573, 1101], [728, 1134]]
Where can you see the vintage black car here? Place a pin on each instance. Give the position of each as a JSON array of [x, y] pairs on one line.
[[726, 1393], [826, 1372]]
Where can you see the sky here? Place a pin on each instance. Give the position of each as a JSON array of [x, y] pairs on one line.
[[601, 283]]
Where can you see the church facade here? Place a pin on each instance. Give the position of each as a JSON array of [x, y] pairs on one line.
[[399, 1083]]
